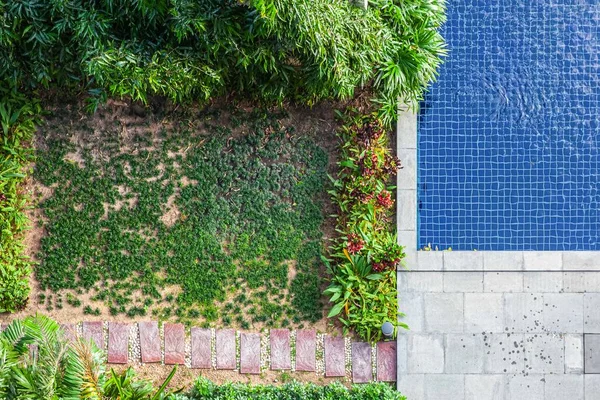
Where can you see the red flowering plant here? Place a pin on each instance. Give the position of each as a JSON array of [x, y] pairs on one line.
[[365, 255]]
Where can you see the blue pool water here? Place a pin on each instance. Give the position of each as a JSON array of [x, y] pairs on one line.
[[509, 136]]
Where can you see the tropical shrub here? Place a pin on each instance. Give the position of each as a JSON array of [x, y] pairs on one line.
[[37, 361], [272, 50], [366, 254], [17, 117]]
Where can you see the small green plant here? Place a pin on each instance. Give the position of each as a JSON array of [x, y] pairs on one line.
[[250, 208]]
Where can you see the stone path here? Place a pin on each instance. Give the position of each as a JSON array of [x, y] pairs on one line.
[[148, 342]]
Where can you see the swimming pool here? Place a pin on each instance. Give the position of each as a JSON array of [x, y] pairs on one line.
[[509, 136]]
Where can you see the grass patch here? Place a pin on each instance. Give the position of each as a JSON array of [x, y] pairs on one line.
[[185, 219]]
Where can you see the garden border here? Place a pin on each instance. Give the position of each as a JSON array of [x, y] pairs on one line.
[[464, 261]]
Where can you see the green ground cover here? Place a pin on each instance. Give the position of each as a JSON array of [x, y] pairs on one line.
[[195, 218]]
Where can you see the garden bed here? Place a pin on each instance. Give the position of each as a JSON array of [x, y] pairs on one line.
[[215, 216]]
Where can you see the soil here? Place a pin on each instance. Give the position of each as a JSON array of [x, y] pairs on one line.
[[318, 121]]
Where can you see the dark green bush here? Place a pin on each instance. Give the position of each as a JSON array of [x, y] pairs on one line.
[[300, 50], [206, 390]]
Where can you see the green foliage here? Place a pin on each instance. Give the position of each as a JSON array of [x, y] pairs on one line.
[[125, 386], [245, 208], [37, 361], [206, 390], [51, 371], [365, 254], [271, 50], [17, 117]]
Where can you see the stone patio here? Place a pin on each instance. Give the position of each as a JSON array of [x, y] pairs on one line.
[[493, 325]]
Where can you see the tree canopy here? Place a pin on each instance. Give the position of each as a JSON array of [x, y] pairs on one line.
[[190, 50]]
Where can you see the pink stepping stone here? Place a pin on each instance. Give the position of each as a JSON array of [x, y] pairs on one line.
[[174, 344], [149, 341], [362, 368], [70, 331], [250, 353], [201, 348], [306, 347], [225, 349], [335, 357], [92, 330], [386, 361], [118, 342], [280, 349]]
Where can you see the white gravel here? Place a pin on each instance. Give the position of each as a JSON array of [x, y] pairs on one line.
[[348, 351], [237, 351], [374, 360], [135, 354], [265, 350], [293, 349], [161, 334], [188, 347], [320, 354], [213, 347]]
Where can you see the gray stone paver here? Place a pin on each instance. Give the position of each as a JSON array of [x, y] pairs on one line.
[[489, 387], [547, 281], [523, 312], [544, 353], [525, 387], [444, 386], [505, 354], [592, 387], [591, 353], [463, 282], [501, 282], [420, 282], [591, 312], [563, 312], [542, 261], [503, 261], [412, 385], [573, 354], [425, 354], [564, 387], [581, 261], [414, 302], [463, 261], [484, 312], [463, 354], [444, 312]]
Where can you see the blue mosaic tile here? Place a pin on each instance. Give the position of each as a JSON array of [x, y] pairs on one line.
[[509, 136]]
